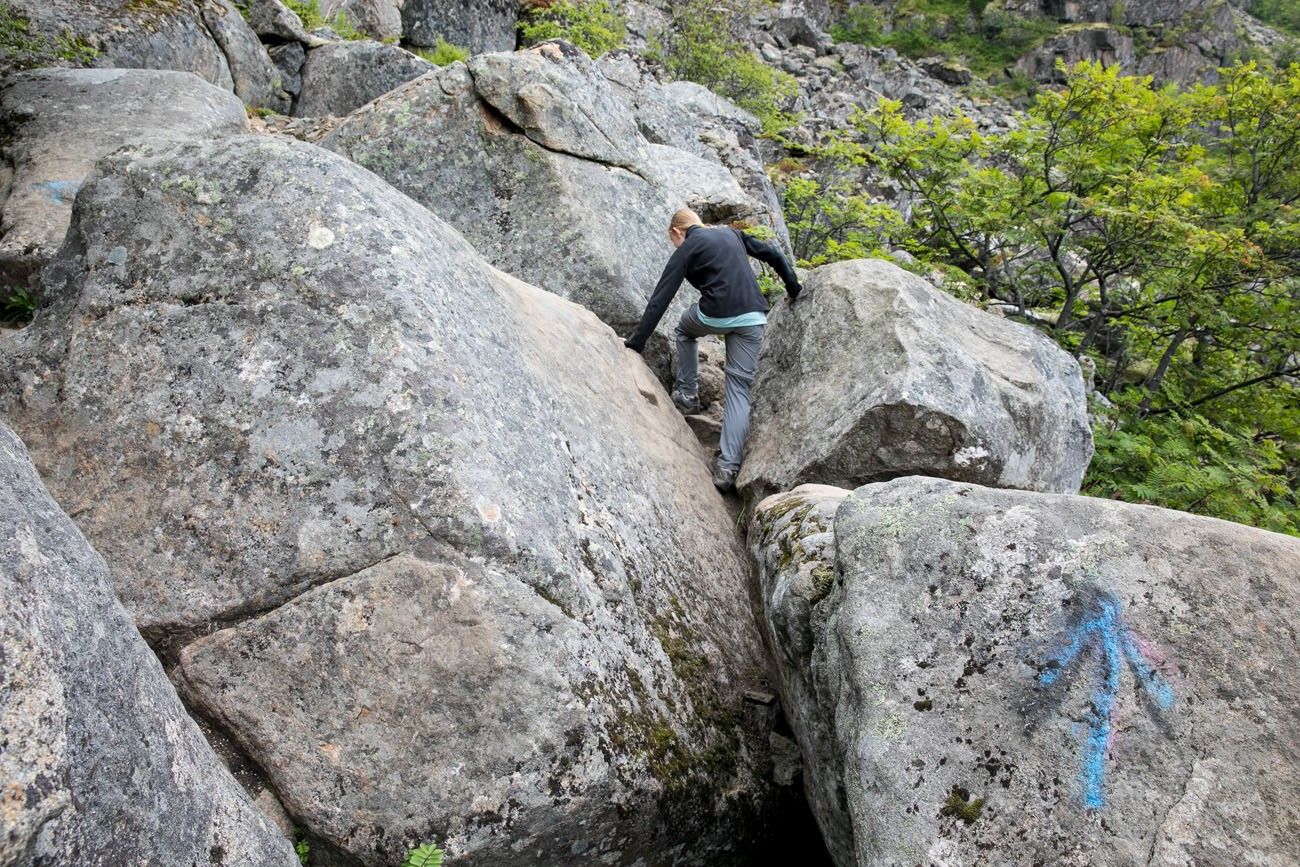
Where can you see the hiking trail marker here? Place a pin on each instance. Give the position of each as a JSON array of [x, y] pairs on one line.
[[1114, 645]]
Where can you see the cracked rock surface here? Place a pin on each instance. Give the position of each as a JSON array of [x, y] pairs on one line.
[[100, 762], [537, 160], [881, 375], [427, 542], [980, 676], [207, 37]]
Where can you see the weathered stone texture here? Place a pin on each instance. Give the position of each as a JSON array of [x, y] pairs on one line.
[[876, 374], [980, 676], [58, 122], [100, 763], [529, 611]]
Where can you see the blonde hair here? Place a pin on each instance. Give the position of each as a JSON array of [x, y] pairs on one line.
[[683, 219]]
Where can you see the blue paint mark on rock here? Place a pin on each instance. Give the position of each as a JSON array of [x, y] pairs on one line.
[[60, 192], [1102, 629]]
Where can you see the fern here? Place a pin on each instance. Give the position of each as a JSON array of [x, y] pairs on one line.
[[425, 855]]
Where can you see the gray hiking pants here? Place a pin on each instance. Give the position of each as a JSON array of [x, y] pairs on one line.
[[742, 360]]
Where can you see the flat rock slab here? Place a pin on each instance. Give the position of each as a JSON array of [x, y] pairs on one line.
[[980, 676], [475, 582], [58, 122], [877, 374], [101, 764]]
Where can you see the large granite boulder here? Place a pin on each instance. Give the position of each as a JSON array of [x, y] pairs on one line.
[[980, 676], [428, 543], [876, 374], [58, 122], [101, 764], [207, 37], [485, 25], [533, 157], [340, 77]]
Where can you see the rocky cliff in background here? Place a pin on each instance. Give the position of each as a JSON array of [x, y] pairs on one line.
[[474, 581], [100, 762], [1003, 677]]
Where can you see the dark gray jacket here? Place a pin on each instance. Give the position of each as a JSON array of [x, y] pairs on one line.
[[715, 261]]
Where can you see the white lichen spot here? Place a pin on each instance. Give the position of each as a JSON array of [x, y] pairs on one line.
[[970, 456], [319, 238]]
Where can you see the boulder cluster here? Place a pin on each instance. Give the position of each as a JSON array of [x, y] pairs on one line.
[[333, 510]]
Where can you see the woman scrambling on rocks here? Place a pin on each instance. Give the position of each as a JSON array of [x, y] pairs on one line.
[[715, 261]]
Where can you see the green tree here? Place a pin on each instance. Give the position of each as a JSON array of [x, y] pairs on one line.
[[1157, 231]]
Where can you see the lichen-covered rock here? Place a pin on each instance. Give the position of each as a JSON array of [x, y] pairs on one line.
[[979, 676], [101, 764], [479, 25], [542, 168], [476, 582], [207, 37], [876, 374], [340, 77], [58, 122]]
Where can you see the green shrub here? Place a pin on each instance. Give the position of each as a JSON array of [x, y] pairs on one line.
[[308, 11], [20, 306], [589, 24], [424, 856], [705, 45], [23, 49], [443, 53]]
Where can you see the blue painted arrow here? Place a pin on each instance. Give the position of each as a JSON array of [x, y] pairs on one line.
[[1116, 645]]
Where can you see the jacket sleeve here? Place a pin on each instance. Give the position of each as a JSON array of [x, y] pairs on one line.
[[669, 282], [769, 253]]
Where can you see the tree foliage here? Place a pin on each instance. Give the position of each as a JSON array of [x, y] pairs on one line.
[[1157, 231], [589, 24]]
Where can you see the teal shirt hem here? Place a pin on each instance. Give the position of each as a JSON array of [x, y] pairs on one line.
[[744, 320]]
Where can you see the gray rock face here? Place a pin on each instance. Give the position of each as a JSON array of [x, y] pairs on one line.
[[379, 19], [340, 77], [468, 519], [1100, 43], [256, 79], [126, 34], [60, 121], [876, 374], [1002, 677], [274, 21], [207, 37], [486, 25], [532, 156], [101, 764]]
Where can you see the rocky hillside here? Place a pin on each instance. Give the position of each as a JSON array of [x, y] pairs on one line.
[[337, 523]]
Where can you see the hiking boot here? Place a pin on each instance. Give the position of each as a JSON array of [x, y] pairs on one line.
[[689, 405], [723, 479]]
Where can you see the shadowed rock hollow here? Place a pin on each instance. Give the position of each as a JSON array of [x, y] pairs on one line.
[[476, 583]]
